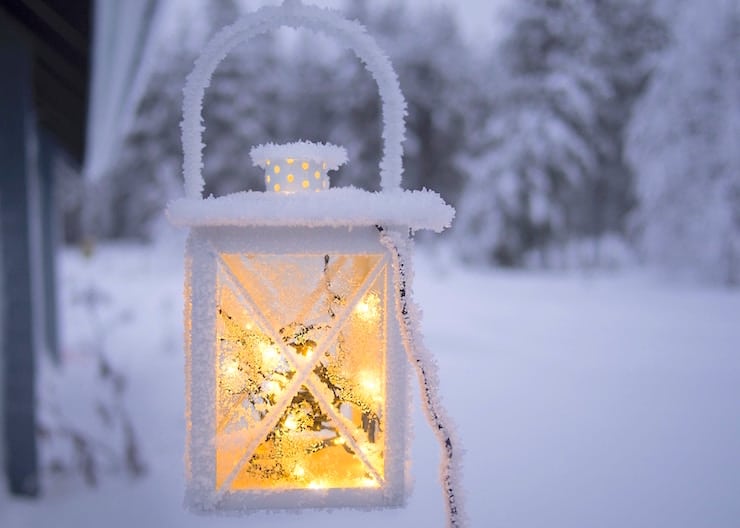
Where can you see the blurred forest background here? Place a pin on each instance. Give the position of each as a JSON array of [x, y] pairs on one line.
[[589, 133]]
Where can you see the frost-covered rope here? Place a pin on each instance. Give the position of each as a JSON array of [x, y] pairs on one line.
[[426, 371], [351, 34]]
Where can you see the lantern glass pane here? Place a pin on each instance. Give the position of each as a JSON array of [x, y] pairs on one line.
[[300, 370]]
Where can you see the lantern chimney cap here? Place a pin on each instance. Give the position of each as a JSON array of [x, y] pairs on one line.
[[333, 155]]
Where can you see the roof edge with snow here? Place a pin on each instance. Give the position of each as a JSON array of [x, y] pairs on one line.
[[338, 207], [332, 155]]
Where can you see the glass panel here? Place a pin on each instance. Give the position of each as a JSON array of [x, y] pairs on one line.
[[353, 373], [276, 314], [305, 450], [251, 375]]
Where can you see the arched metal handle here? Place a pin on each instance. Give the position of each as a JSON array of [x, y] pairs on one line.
[[293, 14]]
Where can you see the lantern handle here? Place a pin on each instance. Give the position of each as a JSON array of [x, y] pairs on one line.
[[294, 14]]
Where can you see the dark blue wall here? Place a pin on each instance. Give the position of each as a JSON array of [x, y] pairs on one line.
[[16, 267]]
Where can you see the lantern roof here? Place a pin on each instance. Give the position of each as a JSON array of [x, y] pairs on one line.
[[333, 155], [336, 207]]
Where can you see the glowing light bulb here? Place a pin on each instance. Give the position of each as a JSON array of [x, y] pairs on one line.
[[368, 482], [299, 472], [270, 355], [230, 368], [271, 387], [291, 424], [317, 484], [370, 385], [368, 309], [230, 375]]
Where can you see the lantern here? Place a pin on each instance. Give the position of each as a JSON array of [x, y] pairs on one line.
[[298, 321]]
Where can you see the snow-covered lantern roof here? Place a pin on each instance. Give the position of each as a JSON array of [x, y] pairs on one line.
[[298, 319]]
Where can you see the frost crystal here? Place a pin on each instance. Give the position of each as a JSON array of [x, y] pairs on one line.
[[333, 207], [332, 155]]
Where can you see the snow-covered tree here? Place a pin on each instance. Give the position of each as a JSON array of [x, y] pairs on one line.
[[633, 35], [535, 148], [685, 146], [437, 72], [549, 166]]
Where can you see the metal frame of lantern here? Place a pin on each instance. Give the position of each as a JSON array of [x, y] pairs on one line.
[[298, 320], [226, 441]]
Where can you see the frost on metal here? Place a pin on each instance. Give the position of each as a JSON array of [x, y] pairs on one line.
[[298, 318], [338, 207], [298, 167], [425, 367], [266, 156], [297, 378]]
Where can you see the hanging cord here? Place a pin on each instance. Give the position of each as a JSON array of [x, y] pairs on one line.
[[426, 372]]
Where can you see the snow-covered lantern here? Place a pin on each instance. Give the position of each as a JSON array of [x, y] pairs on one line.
[[298, 318]]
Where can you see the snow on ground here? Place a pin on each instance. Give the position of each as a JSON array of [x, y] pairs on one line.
[[602, 401]]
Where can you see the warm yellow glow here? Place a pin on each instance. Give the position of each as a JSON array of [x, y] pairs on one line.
[[268, 179], [369, 483], [323, 165], [328, 432], [317, 175], [270, 355], [290, 161], [368, 309], [276, 169], [370, 385], [230, 368], [305, 184], [277, 187], [291, 178], [267, 162], [304, 166], [291, 423], [230, 375]]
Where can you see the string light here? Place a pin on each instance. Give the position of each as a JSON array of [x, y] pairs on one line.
[[270, 355], [368, 309]]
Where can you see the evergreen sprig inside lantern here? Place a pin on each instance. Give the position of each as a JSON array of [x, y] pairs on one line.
[[298, 318]]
